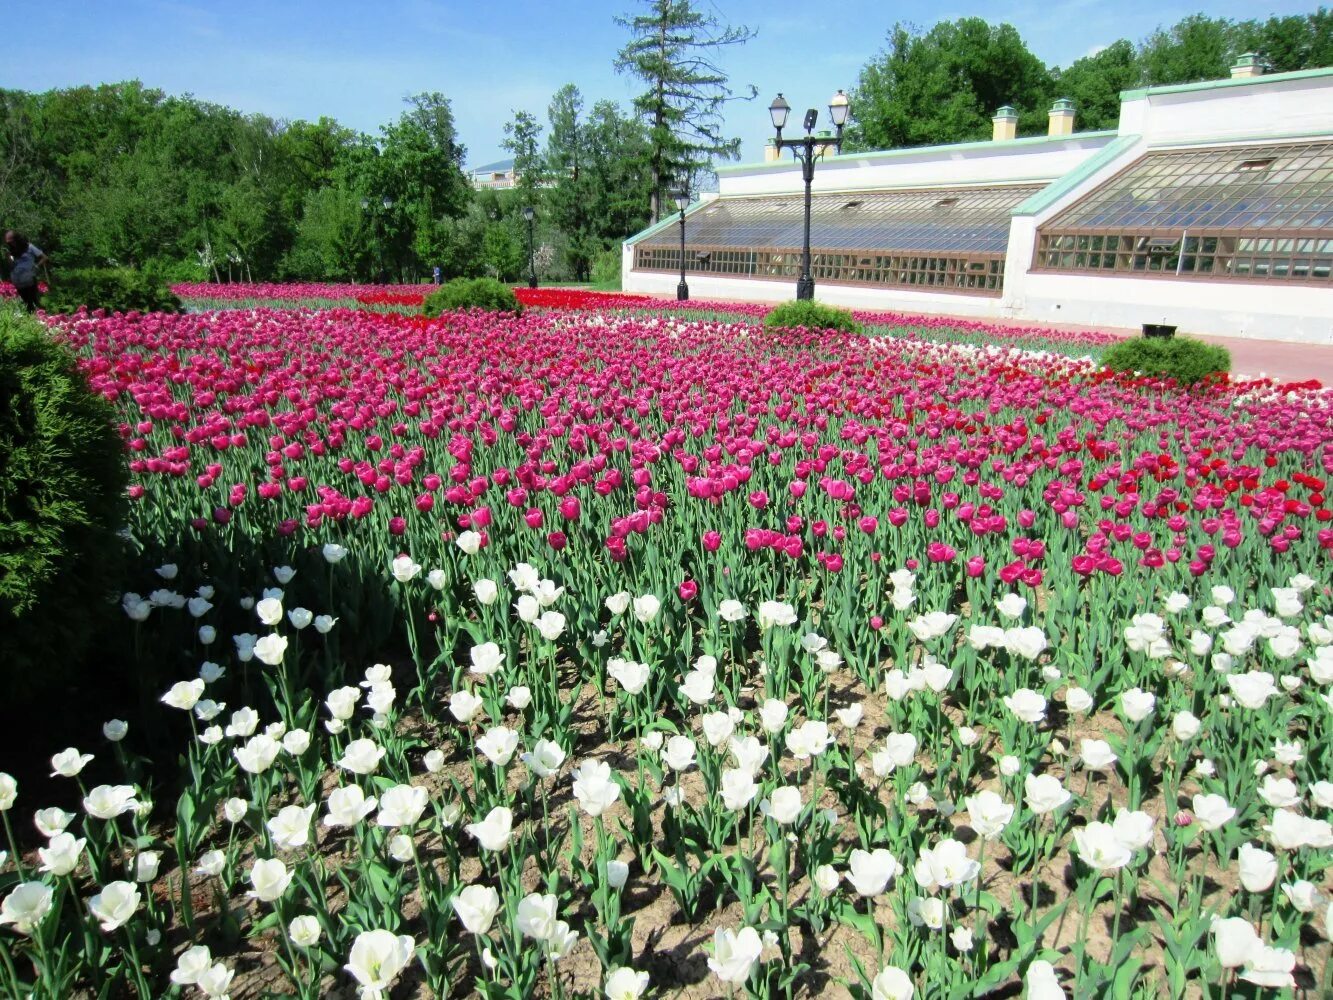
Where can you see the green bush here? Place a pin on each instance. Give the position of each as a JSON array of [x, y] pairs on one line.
[[606, 269], [472, 293], [1184, 359], [62, 493], [811, 315], [115, 289], [175, 272]]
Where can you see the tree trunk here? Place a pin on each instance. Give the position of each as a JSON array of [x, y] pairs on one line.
[[659, 122]]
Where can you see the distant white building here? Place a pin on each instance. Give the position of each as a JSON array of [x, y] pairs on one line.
[[1209, 208], [497, 175]]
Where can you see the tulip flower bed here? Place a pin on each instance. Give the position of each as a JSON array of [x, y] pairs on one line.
[[205, 296], [407, 299], [594, 655]]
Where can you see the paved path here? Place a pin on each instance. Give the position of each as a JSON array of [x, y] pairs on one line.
[[1276, 359]]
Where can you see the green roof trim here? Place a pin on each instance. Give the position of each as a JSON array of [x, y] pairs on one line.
[[670, 220], [1253, 137], [956, 147], [1244, 81], [1062, 185]]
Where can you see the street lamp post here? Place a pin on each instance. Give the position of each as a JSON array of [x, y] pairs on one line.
[[528, 214], [804, 149], [682, 202]]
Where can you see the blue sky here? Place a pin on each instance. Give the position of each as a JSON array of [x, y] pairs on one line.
[[356, 61]]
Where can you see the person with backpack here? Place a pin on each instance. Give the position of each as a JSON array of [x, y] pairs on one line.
[[25, 260]]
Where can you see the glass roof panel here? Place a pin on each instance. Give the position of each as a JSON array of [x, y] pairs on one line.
[[956, 220], [1230, 187]]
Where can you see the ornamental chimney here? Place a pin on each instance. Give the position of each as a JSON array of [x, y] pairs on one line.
[[1247, 65], [1004, 126], [1061, 118]]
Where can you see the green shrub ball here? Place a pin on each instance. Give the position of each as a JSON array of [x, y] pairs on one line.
[[472, 293], [810, 315], [1183, 359]]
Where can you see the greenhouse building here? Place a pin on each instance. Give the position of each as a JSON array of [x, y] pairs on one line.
[[1210, 208]]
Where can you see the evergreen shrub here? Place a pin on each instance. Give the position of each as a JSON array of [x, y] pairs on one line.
[[812, 316], [472, 293], [1184, 359], [63, 479]]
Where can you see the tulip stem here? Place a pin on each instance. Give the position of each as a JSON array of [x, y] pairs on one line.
[[140, 985], [1115, 922], [287, 946], [11, 974], [553, 971], [13, 847]]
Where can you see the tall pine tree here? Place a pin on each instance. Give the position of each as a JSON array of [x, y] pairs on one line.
[[674, 49]]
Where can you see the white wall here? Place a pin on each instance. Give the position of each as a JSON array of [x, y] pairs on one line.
[[1299, 313], [1040, 159], [848, 296], [1257, 107]]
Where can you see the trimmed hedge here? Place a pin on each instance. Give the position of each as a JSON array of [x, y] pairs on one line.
[[1184, 359], [811, 315], [115, 289], [63, 478], [472, 293]]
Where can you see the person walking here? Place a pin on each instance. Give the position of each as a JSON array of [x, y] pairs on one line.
[[26, 259]]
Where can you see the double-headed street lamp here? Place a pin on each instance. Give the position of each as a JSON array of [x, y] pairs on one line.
[[805, 151], [682, 203], [387, 202], [528, 214]]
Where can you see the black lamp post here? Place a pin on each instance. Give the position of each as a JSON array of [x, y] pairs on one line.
[[528, 214], [682, 203], [805, 150]]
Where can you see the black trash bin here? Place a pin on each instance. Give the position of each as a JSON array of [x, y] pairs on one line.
[[1158, 330]]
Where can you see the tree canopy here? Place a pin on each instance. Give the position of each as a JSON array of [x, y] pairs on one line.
[[674, 49], [944, 84], [125, 174]]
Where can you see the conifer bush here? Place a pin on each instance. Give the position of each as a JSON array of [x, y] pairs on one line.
[[1184, 359], [812, 316], [472, 293], [62, 490]]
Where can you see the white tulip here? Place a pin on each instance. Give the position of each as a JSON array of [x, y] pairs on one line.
[[115, 904], [401, 805], [493, 832], [735, 953], [404, 568], [646, 608], [376, 960], [594, 787], [269, 879], [783, 806], [476, 907], [362, 756], [870, 872], [304, 931]]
